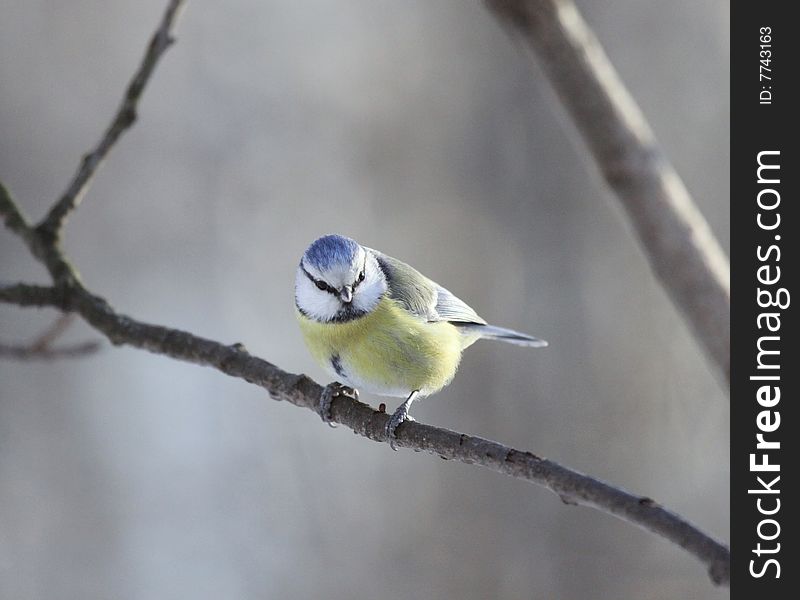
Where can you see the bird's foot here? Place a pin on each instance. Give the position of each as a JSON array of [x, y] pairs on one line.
[[331, 391], [399, 417]]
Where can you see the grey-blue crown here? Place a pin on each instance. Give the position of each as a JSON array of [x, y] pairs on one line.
[[331, 250]]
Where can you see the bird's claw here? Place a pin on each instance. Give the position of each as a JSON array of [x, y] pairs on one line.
[[331, 391], [399, 417]]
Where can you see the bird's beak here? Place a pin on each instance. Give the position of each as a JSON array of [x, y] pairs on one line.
[[346, 294]]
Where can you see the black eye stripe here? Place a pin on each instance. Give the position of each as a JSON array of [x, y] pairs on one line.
[[325, 287], [321, 285]]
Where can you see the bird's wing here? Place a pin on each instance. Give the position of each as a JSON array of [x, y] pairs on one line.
[[451, 308], [421, 296]]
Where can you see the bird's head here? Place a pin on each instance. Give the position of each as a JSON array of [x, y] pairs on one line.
[[338, 280]]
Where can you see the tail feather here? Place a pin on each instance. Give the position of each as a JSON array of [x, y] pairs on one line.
[[490, 332]]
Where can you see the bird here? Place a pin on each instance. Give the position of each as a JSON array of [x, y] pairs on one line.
[[378, 325]]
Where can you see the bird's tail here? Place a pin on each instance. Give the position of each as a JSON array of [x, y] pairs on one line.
[[490, 332]]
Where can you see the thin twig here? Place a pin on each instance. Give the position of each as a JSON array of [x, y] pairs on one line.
[[14, 219], [125, 116], [27, 353], [677, 240], [41, 347], [26, 294], [45, 339], [47, 249]]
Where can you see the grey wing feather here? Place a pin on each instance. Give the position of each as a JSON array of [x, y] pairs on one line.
[[450, 307], [430, 301], [421, 296], [408, 286]]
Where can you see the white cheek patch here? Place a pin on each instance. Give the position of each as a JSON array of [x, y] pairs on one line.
[[369, 292], [317, 304]]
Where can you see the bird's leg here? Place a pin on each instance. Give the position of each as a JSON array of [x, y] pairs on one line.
[[400, 415], [331, 391]]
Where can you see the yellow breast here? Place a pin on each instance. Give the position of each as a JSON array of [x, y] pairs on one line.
[[388, 351]]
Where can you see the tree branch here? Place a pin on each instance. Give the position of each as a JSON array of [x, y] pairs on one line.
[[233, 360], [70, 295], [47, 249], [25, 294], [53, 223], [677, 240], [15, 220]]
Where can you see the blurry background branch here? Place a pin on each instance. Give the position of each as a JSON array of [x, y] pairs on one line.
[[41, 348], [69, 294], [682, 250]]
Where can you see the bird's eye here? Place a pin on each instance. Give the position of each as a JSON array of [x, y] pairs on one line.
[[321, 285], [361, 276]]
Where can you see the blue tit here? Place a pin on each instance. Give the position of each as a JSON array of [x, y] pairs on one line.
[[379, 325]]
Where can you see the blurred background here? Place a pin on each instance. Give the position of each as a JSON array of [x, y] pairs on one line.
[[418, 128]]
